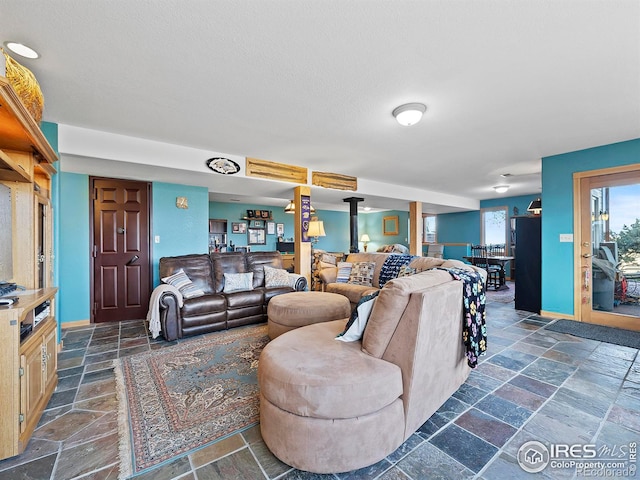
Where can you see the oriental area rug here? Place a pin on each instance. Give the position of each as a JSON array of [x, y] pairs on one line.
[[503, 296], [175, 400]]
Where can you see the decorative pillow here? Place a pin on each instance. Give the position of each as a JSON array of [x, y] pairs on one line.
[[277, 277], [358, 321], [344, 271], [362, 273], [328, 258], [407, 271], [238, 282], [391, 267], [183, 283]]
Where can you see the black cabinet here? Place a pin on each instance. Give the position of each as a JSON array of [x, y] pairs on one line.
[[528, 264]]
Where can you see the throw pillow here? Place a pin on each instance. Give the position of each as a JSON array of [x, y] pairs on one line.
[[344, 271], [183, 283], [358, 321], [328, 258], [362, 273], [238, 282], [406, 271], [276, 277], [391, 267]]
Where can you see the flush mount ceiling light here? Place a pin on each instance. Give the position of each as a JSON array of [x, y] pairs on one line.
[[501, 188], [21, 49], [409, 113]]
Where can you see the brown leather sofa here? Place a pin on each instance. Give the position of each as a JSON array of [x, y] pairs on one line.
[[216, 310]]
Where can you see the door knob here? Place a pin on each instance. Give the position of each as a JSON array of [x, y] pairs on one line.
[[587, 255], [120, 230], [134, 259]]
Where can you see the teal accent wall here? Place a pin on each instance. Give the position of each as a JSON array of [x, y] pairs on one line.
[[73, 248], [371, 224], [520, 202], [336, 226], [181, 231], [464, 227], [50, 131], [460, 227], [557, 215]]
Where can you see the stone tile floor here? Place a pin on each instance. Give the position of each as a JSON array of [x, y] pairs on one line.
[[533, 385]]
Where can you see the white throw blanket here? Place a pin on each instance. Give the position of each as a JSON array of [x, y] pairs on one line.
[[153, 315]]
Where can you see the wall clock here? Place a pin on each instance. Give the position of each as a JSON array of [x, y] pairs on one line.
[[182, 202]]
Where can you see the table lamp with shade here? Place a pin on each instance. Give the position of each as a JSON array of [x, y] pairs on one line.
[[365, 239], [316, 229]]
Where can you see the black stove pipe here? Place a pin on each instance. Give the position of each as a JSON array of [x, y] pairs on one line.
[[353, 222]]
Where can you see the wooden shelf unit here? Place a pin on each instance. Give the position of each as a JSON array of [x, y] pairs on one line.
[[26, 166], [27, 369]]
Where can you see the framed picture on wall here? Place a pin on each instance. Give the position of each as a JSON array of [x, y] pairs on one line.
[[257, 224], [238, 227], [280, 229], [390, 225], [271, 228], [256, 236]]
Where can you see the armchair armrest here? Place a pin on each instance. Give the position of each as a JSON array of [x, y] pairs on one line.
[[328, 275]]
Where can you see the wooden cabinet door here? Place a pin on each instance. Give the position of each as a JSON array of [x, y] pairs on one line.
[[32, 385], [51, 355]]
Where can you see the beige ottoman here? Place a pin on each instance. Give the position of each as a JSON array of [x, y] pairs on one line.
[[297, 309]]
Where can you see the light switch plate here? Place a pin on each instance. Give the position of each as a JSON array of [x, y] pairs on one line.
[[157, 239], [566, 237]]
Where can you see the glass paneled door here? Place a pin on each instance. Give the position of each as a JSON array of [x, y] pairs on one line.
[[609, 248]]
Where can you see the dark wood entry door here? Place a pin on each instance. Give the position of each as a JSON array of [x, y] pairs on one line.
[[121, 268]]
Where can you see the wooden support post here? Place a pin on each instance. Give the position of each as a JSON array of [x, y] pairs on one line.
[[302, 260], [415, 228]]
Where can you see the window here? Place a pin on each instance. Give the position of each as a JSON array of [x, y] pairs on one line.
[[494, 225], [429, 228]]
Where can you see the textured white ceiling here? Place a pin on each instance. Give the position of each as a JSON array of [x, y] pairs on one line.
[[313, 83]]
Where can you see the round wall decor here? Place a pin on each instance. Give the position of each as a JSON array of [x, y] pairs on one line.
[[223, 165]]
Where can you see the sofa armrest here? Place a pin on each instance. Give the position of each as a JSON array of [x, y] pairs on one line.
[[170, 316]]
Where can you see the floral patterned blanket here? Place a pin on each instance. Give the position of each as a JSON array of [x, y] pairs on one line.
[[474, 329]]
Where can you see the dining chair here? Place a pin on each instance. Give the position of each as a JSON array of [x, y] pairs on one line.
[[480, 254]]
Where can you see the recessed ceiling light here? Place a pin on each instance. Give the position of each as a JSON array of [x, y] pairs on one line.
[[366, 209], [501, 188], [21, 49], [409, 114]]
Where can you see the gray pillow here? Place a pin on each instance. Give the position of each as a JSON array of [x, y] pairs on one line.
[[238, 282]]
